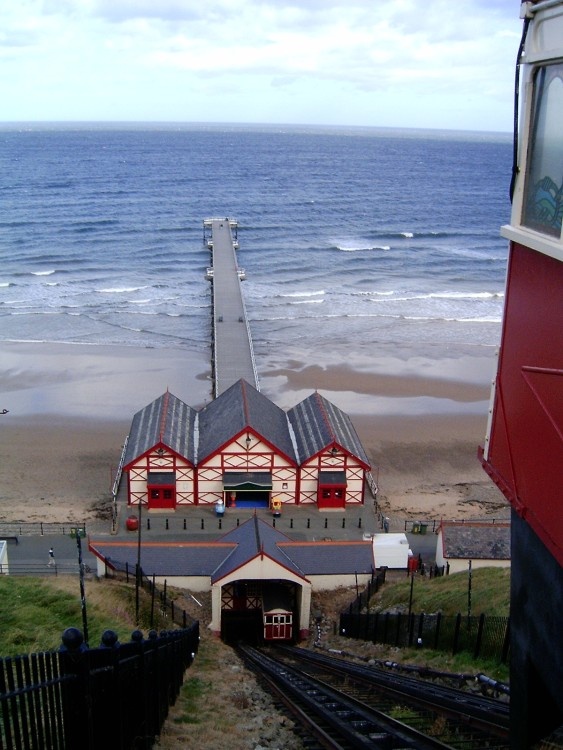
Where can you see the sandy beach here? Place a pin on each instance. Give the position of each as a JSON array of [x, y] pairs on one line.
[[70, 408]]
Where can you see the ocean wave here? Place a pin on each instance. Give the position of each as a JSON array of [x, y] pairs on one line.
[[43, 273], [5, 284], [302, 294], [466, 295], [443, 296], [373, 293], [120, 290], [445, 319], [361, 248]]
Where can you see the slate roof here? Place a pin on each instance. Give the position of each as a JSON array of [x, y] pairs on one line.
[[238, 408], [304, 431], [318, 424], [235, 549], [166, 420], [476, 541], [331, 558], [252, 538], [164, 558]]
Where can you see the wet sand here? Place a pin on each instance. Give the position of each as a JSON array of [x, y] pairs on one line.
[[70, 408]]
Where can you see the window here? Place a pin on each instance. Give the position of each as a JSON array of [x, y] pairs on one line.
[[543, 188]]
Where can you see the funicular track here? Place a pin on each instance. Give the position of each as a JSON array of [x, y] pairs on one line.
[[353, 706]]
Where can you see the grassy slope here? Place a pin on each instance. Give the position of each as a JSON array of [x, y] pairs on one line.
[[35, 612], [490, 593]]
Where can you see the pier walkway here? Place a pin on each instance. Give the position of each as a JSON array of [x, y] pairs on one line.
[[233, 355]]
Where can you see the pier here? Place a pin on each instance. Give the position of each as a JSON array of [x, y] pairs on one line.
[[233, 355]]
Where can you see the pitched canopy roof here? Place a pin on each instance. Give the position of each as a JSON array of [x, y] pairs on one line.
[[304, 431], [318, 424], [241, 407], [235, 549], [166, 420]]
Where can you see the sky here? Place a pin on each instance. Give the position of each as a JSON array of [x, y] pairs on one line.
[[446, 64]]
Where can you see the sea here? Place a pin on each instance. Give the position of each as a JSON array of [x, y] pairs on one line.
[[356, 242]]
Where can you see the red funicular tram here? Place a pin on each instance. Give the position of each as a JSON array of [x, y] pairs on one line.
[[523, 449], [277, 612]]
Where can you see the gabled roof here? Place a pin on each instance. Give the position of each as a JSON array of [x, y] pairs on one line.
[[475, 540], [234, 550], [253, 538], [317, 424], [238, 408], [166, 420]]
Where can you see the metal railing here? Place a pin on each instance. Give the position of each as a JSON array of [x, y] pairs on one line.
[[114, 696], [14, 529], [482, 636]]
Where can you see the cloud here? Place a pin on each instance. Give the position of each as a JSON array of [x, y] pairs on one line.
[[133, 51]]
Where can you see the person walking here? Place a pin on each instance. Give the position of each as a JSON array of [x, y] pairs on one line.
[[51, 557]]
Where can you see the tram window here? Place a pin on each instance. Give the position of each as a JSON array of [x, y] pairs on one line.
[[543, 188]]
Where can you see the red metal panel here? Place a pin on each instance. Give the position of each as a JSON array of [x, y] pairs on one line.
[[525, 452]]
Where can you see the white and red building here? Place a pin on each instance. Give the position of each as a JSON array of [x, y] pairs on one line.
[[243, 450]]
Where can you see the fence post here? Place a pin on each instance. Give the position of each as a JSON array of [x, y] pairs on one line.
[[397, 634], [479, 638], [437, 632], [76, 692], [455, 644], [411, 628], [506, 642], [420, 629]]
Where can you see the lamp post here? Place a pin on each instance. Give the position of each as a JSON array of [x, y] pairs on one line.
[[469, 596], [138, 571], [82, 590]]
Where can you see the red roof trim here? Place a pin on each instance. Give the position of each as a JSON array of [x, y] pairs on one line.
[[320, 404], [135, 461], [164, 414], [259, 555], [244, 401]]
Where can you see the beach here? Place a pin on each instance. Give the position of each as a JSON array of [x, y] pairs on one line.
[[70, 409]]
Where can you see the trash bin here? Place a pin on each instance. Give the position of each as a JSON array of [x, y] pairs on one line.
[[423, 527], [416, 527]]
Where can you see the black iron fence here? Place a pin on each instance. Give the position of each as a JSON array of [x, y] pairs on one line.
[[12, 530], [483, 637], [160, 598], [114, 697]]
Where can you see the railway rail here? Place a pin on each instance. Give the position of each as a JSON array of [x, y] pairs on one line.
[[345, 705]]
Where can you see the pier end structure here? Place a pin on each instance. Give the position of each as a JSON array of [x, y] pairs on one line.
[[233, 354]]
